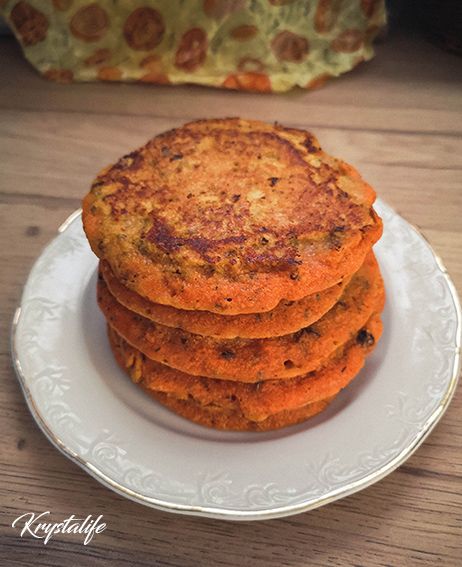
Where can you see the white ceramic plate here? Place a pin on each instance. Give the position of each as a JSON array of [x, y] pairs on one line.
[[92, 412]]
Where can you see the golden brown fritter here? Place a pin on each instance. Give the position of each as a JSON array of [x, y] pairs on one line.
[[230, 216], [255, 402], [232, 420], [252, 360], [287, 317]]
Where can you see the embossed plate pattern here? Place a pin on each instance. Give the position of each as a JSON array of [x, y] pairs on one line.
[[90, 410]]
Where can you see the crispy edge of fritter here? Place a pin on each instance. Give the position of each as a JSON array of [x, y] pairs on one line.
[[252, 360], [255, 401], [230, 420], [288, 317]]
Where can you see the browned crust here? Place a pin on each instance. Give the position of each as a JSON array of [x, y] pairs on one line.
[[287, 317], [252, 360], [256, 402], [230, 216]]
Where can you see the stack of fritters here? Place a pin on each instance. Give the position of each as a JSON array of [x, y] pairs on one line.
[[236, 272]]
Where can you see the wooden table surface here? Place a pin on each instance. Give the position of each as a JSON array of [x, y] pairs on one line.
[[399, 120]]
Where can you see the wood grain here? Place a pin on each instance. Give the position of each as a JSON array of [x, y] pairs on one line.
[[399, 120]]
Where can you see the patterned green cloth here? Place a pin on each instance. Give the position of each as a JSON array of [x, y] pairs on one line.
[[262, 45]]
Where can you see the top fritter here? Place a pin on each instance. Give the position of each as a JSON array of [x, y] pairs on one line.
[[230, 216]]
